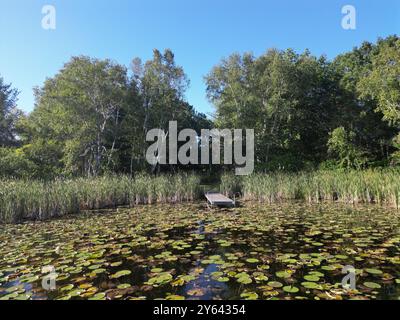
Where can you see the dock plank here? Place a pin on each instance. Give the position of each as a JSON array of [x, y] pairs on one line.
[[218, 199]]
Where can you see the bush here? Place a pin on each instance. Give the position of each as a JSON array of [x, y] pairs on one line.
[[14, 163]]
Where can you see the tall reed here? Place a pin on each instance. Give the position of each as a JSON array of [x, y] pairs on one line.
[[40, 200], [369, 186]]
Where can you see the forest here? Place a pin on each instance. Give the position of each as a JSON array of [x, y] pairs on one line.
[[308, 112]]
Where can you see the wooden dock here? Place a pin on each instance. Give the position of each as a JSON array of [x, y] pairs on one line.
[[219, 200]]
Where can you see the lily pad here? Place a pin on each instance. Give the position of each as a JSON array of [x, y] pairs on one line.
[[372, 285], [120, 274], [291, 289]]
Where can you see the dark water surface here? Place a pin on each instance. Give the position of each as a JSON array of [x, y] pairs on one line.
[[289, 251]]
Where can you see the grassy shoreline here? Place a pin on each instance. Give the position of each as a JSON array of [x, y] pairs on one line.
[[36, 200], [353, 187]]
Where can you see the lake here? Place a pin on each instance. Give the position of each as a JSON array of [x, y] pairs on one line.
[[187, 251]]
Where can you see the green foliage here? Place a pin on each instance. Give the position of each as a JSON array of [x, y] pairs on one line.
[[295, 102], [383, 83], [8, 114], [14, 163], [285, 97], [341, 145], [363, 78], [92, 117], [79, 109]]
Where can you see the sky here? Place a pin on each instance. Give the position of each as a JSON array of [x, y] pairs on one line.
[[199, 32]]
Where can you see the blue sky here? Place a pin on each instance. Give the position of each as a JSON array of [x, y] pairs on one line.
[[200, 33]]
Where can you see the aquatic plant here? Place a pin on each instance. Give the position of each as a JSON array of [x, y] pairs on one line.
[[369, 186], [39, 200], [287, 251]]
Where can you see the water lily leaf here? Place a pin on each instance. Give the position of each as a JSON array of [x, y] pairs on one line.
[[252, 260], [223, 279], [372, 285], [373, 271], [311, 278], [244, 280], [217, 274], [249, 295], [275, 284], [68, 287], [10, 296], [116, 264], [329, 268], [311, 285], [120, 274], [283, 274], [175, 297], [290, 289], [98, 296]]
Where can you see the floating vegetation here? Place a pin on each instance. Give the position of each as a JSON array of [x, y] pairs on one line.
[[180, 251]]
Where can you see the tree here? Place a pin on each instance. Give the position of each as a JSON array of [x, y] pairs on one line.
[[161, 85], [342, 147], [285, 97], [359, 111], [9, 114], [80, 109], [92, 118], [382, 82]]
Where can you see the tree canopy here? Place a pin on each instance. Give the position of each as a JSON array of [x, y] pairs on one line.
[[307, 112]]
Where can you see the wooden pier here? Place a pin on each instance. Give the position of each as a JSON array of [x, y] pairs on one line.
[[219, 200]]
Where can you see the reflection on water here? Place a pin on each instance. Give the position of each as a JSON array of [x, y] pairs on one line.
[[288, 251]]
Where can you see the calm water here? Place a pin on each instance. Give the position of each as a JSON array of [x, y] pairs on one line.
[[289, 251]]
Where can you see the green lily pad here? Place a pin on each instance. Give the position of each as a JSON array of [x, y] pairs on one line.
[[372, 285], [68, 287], [373, 271], [244, 280], [175, 297], [291, 289], [283, 274], [311, 285], [311, 278], [275, 284], [223, 279], [98, 296], [249, 295], [120, 274]]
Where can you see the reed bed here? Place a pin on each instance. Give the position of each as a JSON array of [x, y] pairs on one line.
[[39, 200], [369, 186]]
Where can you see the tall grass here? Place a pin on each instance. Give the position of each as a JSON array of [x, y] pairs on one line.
[[369, 186], [39, 200]]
